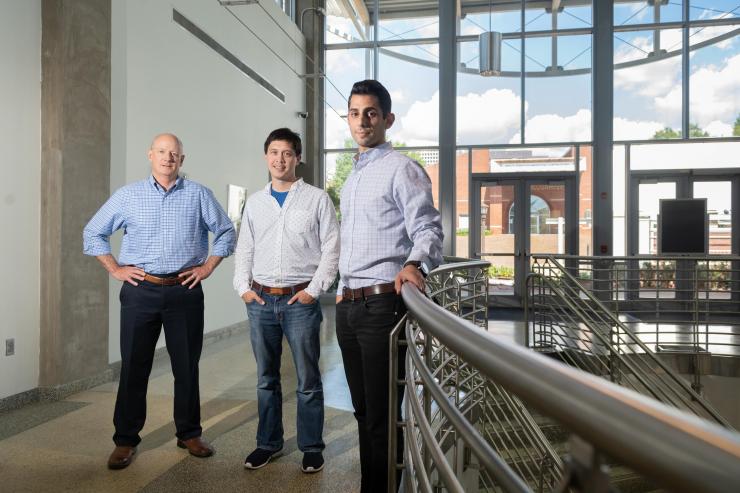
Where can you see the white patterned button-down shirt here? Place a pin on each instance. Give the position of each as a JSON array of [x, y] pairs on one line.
[[388, 218], [288, 245]]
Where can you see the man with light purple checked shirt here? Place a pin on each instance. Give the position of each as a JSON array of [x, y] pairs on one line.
[[390, 234]]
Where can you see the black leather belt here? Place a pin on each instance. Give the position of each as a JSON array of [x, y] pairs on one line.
[[362, 293]]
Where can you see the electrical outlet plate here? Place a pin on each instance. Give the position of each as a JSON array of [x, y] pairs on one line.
[[9, 347]]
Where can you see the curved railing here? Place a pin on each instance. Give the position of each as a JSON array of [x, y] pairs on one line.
[[570, 323], [446, 449]]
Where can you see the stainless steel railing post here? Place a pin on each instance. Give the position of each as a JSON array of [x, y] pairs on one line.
[[394, 384]]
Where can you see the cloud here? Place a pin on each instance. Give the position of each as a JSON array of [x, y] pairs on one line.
[[717, 128], [340, 61], [635, 130], [397, 96], [652, 78], [481, 118], [556, 128], [715, 93], [335, 130]]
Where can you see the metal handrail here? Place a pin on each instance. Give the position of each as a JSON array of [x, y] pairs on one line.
[[660, 385], [665, 299], [506, 428], [677, 450]]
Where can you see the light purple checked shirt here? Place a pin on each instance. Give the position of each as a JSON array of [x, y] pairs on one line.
[[388, 219]]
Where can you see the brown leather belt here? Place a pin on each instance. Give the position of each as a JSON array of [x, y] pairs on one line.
[[279, 291], [362, 293], [162, 281]]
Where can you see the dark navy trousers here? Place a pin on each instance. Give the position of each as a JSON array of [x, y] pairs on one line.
[[145, 309]]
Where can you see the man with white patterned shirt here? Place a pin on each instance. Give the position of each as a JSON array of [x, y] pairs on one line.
[[164, 257], [391, 233], [286, 256]]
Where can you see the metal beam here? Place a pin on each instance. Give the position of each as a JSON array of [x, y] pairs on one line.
[[447, 126]]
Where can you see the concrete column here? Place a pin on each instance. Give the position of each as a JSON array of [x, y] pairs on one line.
[[75, 171], [311, 22]]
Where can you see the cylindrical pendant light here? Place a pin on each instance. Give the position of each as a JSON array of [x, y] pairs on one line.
[[489, 53]]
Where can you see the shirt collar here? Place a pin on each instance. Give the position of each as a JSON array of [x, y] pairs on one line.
[[362, 159], [178, 184], [295, 186]]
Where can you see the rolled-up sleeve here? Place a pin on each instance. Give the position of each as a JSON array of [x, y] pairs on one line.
[[108, 219], [218, 223], [413, 195]]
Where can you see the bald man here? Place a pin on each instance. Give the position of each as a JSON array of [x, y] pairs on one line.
[[163, 260]]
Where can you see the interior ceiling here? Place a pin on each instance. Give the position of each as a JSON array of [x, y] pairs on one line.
[[400, 9]]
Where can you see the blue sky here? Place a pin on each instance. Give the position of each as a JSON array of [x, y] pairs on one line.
[[647, 97]]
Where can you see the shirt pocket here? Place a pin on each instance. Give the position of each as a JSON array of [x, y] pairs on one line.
[[299, 221]]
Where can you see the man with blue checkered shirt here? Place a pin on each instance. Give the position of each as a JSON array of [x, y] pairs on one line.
[[163, 260]]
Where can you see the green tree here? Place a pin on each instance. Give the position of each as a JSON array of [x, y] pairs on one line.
[[344, 167], [736, 128], [669, 133]]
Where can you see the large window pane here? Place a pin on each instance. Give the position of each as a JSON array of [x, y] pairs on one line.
[[685, 155], [477, 18], [345, 25], [713, 9], [489, 108], [343, 68], [719, 208], [714, 89], [647, 72], [645, 12], [538, 16], [411, 74], [497, 240], [402, 22], [649, 196], [558, 89]]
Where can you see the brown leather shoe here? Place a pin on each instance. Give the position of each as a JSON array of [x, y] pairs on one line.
[[196, 446], [121, 457]]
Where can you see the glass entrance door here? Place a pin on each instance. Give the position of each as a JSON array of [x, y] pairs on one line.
[[515, 219]]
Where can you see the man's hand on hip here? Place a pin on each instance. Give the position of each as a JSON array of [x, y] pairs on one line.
[[302, 297], [128, 273], [251, 296], [195, 275], [411, 274]]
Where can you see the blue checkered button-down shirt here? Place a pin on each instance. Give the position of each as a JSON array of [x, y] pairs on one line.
[[163, 231], [388, 218]]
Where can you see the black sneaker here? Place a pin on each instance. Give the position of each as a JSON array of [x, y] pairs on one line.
[[312, 462], [259, 458]]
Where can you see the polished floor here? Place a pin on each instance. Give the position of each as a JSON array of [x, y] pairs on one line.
[[64, 445]]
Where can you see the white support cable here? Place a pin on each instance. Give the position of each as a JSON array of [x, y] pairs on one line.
[[240, 21]]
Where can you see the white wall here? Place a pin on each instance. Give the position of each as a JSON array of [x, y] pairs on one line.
[[167, 80], [20, 185]]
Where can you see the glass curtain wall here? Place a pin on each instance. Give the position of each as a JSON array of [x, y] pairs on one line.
[[676, 111], [676, 91]]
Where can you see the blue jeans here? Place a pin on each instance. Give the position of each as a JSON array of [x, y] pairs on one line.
[[300, 325]]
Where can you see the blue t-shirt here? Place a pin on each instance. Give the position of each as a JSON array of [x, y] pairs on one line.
[[279, 196]]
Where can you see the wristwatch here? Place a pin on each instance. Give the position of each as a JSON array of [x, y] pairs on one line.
[[419, 265]]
